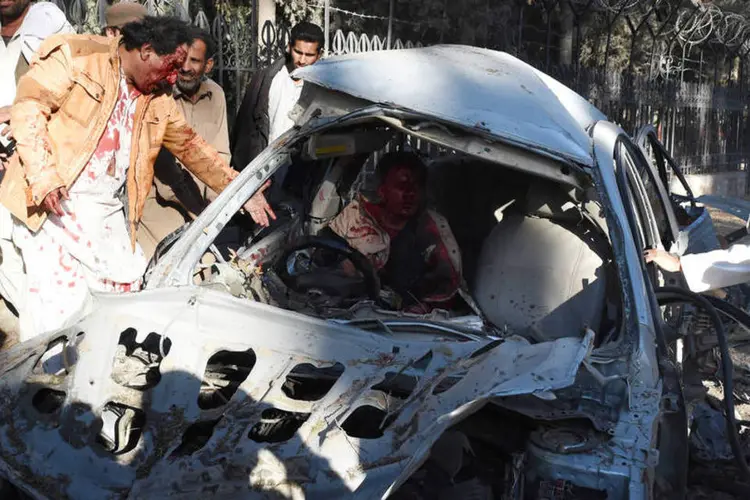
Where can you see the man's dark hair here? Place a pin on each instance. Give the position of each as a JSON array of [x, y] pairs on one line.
[[308, 32], [207, 39], [164, 34], [401, 159]]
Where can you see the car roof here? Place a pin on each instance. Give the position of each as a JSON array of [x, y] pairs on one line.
[[471, 87]]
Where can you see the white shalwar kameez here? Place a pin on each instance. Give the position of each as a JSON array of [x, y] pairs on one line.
[[717, 269], [87, 249], [283, 94]]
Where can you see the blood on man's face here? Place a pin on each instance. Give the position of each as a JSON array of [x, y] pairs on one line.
[[158, 72], [401, 191]]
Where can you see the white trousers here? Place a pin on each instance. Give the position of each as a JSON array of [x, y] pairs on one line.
[[13, 290]]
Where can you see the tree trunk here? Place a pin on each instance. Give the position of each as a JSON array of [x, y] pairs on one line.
[[567, 28]]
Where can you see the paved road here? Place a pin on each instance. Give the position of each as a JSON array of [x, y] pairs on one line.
[[735, 206]]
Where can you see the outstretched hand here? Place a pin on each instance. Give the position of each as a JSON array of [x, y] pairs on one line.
[[663, 259], [258, 208]]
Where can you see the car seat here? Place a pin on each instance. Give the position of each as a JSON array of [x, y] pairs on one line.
[[541, 271]]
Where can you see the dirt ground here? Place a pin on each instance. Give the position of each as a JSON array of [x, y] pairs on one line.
[[726, 223], [719, 480]]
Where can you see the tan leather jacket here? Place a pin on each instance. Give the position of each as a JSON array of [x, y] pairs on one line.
[[61, 110]]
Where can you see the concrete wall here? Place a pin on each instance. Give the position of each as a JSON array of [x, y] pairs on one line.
[[266, 12], [728, 184]]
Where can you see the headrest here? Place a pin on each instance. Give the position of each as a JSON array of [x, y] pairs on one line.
[[551, 201]]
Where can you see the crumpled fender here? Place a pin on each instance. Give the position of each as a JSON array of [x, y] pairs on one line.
[[56, 454]]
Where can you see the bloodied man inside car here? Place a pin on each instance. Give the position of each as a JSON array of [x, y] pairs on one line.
[[411, 246]]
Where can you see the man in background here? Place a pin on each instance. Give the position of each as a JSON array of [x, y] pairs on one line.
[[202, 100], [177, 195], [24, 27], [271, 95], [120, 14]]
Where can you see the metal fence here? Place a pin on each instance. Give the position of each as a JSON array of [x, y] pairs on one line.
[[241, 51], [677, 64], [660, 76], [704, 126]]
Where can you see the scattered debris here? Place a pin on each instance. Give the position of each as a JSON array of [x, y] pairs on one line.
[[708, 435]]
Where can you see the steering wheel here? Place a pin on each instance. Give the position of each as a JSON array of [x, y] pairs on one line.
[[332, 282]]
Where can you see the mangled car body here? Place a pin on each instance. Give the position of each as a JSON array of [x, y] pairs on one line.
[[268, 375]]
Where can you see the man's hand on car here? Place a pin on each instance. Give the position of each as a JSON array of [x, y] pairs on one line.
[[259, 209], [52, 202], [663, 259]]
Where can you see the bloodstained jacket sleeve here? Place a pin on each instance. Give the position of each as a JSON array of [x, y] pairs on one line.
[[196, 154], [40, 92], [717, 269]]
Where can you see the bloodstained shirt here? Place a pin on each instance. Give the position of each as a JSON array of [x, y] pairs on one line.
[[88, 248], [427, 261]]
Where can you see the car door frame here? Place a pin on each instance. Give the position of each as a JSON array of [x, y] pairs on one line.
[[671, 444], [697, 236], [657, 171], [648, 133]]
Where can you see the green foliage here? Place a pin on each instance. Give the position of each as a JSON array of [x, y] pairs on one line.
[[294, 11]]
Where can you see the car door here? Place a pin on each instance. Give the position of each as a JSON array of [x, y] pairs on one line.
[[690, 222], [653, 222], [696, 234], [646, 230]]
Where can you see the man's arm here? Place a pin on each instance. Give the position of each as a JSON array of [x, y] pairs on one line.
[[40, 92], [205, 163], [195, 153], [708, 270]]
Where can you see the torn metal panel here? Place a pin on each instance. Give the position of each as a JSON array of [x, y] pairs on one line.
[[259, 440], [540, 162]]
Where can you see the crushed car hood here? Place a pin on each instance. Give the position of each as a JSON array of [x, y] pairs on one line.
[[472, 87], [191, 446]]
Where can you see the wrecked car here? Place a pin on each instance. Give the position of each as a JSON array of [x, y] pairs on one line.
[[269, 373]]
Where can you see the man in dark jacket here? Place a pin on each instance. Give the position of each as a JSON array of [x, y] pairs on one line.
[[272, 93]]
